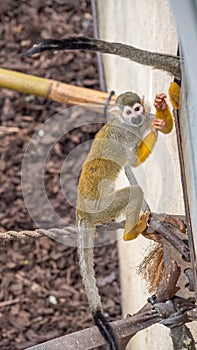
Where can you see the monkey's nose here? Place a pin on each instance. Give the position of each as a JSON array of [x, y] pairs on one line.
[[137, 119]]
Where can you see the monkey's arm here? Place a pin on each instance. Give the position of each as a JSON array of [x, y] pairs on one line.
[[163, 113], [144, 148], [174, 94], [163, 122]]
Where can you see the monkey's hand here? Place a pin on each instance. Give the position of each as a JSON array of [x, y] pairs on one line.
[[160, 102], [163, 120], [160, 105], [157, 125]]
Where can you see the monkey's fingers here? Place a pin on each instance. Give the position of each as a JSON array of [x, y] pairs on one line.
[[158, 124], [160, 102]]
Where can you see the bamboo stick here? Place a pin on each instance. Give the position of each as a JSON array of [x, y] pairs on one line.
[[51, 89]]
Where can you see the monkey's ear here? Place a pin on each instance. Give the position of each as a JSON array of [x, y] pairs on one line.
[[146, 104], [114, 112], [142, 100]]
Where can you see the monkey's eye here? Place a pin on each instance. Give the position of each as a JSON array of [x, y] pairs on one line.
[[138, 107], [127, 111]]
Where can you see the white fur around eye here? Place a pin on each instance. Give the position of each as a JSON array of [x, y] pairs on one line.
[[138, 108], [127, 112]]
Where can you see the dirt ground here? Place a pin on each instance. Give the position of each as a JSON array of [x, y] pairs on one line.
[[41, 295]]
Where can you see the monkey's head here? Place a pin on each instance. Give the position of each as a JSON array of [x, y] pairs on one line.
[[132, 109]]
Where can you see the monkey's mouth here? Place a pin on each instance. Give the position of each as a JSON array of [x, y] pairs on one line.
[[137, 120]]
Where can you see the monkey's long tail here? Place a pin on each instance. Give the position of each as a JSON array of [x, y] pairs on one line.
[[156, 60], [86, 260]]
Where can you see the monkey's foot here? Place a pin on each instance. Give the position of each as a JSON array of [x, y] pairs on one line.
[[138, 228], [174, 94]]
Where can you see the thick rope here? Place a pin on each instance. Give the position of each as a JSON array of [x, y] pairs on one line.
[[61, 235], [12, 235]]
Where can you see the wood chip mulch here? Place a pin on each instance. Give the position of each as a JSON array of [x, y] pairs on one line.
[[41, 295]]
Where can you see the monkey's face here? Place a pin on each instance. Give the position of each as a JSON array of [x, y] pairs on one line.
[[130, 109], [134, 115]]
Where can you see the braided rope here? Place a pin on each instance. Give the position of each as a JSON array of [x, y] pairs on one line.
[[12, 235], [66, 235]]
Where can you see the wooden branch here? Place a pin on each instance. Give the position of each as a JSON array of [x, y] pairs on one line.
[[125, 329], [51, 89], [91, 338], [166, 231]]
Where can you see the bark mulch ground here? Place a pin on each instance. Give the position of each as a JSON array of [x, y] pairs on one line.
[[41, 295]]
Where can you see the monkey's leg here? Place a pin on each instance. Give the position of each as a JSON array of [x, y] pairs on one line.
[[127, 200], [144, 148], [174, 94], [111, 206], [135, 224]]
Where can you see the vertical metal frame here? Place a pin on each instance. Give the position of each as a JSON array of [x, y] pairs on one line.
[[185, 14]]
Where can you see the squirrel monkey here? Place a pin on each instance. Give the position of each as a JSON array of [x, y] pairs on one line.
[[128, 138]]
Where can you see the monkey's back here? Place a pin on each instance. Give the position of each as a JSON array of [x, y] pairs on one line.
[[103, 163], [93, 174]]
